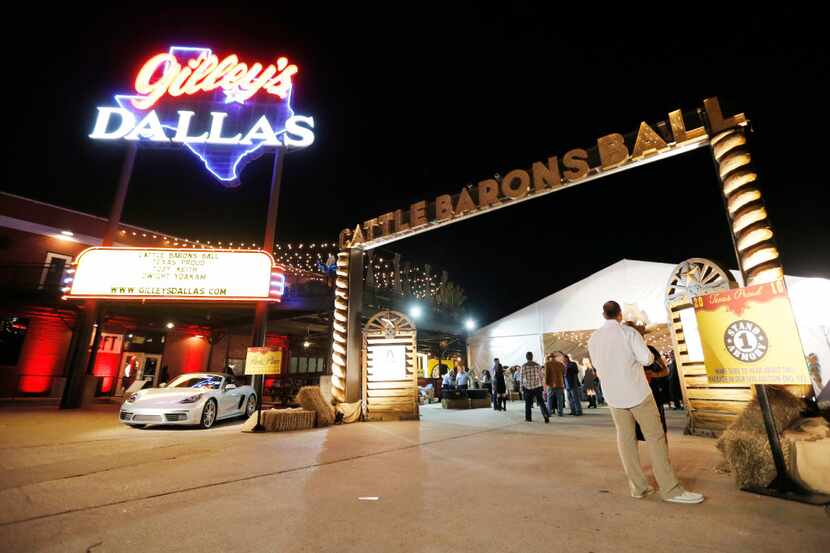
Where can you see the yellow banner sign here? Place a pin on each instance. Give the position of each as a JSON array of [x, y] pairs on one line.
[[263, 361], [749, 336]]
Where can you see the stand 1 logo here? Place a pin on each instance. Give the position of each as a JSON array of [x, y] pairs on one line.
[[745, 341], [225, 111], [748, 336]]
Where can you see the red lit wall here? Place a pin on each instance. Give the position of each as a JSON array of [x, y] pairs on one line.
[[107, 360], [43, 354], [184, 353], [106, 366]]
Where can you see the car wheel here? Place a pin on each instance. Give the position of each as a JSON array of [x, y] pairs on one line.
[[250, 406], [208, 414]]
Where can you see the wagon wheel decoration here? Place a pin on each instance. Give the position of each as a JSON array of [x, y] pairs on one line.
[[389, 324], [695, 277]]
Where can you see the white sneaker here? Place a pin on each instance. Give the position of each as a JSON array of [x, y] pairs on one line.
[[686, 497]]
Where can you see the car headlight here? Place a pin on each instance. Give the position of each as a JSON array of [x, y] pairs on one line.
[[132, 398], [191, 399]]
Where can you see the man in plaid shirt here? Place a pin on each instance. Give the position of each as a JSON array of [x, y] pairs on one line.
[[533, 379]]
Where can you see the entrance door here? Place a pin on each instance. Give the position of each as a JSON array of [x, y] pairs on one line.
[[150, 369], [142, 366]]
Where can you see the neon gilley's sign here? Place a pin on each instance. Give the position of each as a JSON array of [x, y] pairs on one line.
[[613, 152], [225, 111]]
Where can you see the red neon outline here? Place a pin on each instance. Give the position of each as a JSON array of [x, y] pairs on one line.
[[268, 298]]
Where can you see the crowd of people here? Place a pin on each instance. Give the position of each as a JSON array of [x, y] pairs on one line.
[[564, 381], [633, 379]]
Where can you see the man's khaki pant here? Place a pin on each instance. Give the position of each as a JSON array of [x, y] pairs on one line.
[[646, 414]]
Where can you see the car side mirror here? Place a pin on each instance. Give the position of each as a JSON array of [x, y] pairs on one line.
[[230, 387], [163, 385]]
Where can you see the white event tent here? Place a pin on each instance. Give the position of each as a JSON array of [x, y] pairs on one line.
[[640, 288]]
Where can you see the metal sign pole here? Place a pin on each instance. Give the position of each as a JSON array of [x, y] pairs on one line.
[[260, 327], [82, 358]]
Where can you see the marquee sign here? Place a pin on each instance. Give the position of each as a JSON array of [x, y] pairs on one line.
[[226, 111], [175, 274]]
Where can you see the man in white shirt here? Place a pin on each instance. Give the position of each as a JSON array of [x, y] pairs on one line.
[[619, 353], [448, 382], [462, 381]]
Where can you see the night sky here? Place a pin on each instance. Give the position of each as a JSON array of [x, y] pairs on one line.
[[413, 103]]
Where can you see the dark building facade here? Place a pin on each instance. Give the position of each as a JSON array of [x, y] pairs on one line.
[[156, 341]]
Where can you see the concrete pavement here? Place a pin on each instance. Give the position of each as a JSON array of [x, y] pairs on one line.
[[456, 481]]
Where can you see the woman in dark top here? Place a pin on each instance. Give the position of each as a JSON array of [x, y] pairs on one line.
[[589, 384], [499, 389], [656, 374]]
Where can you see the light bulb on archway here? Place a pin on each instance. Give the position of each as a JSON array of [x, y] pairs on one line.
[[415, 311], [469, 324]]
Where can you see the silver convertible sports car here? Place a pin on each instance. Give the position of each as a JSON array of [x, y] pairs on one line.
[[190, 399]]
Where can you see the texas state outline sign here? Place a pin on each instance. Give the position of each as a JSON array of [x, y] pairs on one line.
[[225, 111]]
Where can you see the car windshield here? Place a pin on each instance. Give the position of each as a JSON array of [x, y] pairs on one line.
[[197, 381]]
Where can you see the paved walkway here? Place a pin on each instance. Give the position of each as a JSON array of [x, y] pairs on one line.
[[456, 481]]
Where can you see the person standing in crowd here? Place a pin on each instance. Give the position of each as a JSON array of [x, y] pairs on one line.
[[656, 374], [128, 372], [533, 380], [597, 384], [589, 384], [619, 354], [675, 392], [499, 388], [462, 381], [494, 371], [448, 382], [571, 384], [517, 379], [555, 382], [815, 372]]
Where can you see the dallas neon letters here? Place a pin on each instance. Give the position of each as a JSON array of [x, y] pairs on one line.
[[119, 123]]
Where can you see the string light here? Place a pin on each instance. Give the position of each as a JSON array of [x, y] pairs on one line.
[[309, 261]]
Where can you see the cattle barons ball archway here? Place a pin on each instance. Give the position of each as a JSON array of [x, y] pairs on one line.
[[726, 136]]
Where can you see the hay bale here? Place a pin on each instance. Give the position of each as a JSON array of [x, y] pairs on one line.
[[311, 399], [282, 420], [750, 458], [812, 466], [811, 437], [744, 444], [786, 409]]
